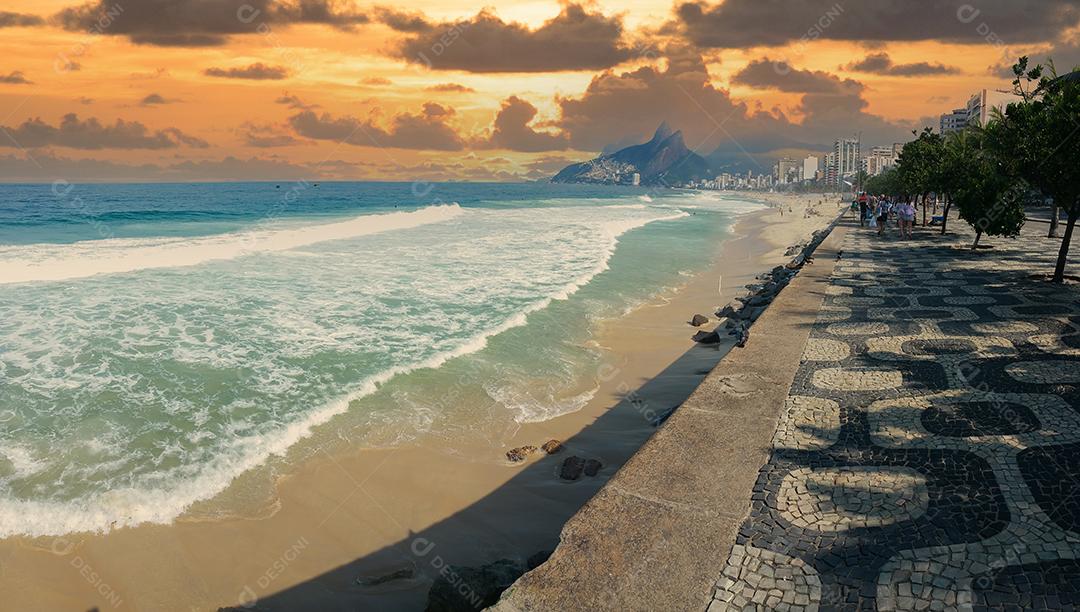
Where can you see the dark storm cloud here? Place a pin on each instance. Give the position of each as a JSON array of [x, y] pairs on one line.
[[267, 136], [257, 71], [576, 39], [781, 76], [512, 130], [881, 63], [15, 77], [618, 109], [197, 23], [427, 129], [1065, 55], [14, 20], [751, 23], [76, 133]]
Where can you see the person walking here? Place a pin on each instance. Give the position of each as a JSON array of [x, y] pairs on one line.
[[907, 219], [863, 205], [883, 208]]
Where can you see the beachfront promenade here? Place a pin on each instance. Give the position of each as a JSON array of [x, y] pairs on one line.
[[912, 441]]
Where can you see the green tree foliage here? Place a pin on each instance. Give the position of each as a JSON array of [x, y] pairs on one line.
[[988, 198], [989, 171], [887, 183], [1038, 139], [920, 167]]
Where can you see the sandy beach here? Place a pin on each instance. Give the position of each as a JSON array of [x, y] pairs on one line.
[[343, 522]]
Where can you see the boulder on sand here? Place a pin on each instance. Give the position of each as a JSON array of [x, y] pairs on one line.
[[704, 337], [592, 466], [756, 312], [743, 337], [520, 453], [552, 446], [472, 588], [727, 311], [698, 320], [572, 467]]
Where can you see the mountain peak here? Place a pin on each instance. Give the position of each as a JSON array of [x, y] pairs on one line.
[[662, 132], [675, 139], [664, 160]]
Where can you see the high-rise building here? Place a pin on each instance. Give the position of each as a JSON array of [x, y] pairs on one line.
[[954, 121], [977, 111], [810, 168], [787, 171], [830, 168], [879, 160], [846, 160]]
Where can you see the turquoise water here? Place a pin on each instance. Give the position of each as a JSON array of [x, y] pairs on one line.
[[160, 342]]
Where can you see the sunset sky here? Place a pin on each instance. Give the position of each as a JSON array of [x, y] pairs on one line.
[[255, 89]]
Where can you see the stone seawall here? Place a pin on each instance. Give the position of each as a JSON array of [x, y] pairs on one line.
[[657, 535]]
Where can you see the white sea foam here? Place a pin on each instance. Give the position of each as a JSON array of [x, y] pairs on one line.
[[162, 496], [527, 408], [48, 262]]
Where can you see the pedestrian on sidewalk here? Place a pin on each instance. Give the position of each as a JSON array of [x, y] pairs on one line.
[[883, 209], [906, 211]]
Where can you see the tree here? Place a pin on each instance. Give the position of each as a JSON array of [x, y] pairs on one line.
[[1040, 134], [888, 183], [920, 166], [988, 198]]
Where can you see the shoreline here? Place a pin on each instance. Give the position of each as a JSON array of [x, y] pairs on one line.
[[362, 512]]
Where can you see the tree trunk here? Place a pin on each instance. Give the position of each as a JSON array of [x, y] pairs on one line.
[[975, 245], [924, 210], [945, 215], [1063, 252], [1053, 220]]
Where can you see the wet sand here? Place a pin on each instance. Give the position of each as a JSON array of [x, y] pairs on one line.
[[418, 507]]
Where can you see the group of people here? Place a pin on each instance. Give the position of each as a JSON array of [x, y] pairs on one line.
[[876, 211]]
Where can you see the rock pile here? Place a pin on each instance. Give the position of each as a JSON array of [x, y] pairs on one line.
[[521, 453], [740, 313], [460, 587], [573, 467]]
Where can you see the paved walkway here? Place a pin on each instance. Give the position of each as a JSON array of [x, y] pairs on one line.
[[928, 456]]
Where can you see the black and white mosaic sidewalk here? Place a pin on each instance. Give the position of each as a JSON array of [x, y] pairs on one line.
[[928, 456]]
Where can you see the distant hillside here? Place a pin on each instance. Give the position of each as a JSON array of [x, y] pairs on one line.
[[664, 160]]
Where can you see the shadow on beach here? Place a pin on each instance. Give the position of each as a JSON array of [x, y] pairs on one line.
[[481, 549], [398, 576]]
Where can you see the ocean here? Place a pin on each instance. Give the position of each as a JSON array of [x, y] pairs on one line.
[[170, 349]]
